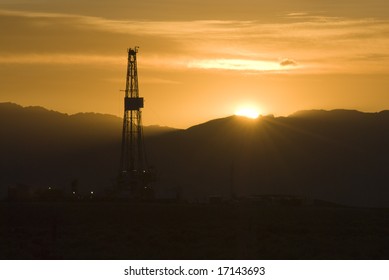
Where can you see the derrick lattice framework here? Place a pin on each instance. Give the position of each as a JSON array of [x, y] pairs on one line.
[[135, 176]]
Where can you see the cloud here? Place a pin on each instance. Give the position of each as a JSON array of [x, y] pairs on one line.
[[72, 59], [297, 14], [323, 43], [288, 62], [30, 14], [216, 29], [235, 64]]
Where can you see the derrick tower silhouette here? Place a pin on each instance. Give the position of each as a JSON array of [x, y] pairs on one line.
[[135, 177]]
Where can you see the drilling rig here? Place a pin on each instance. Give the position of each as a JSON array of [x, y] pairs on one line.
[[135, 177]]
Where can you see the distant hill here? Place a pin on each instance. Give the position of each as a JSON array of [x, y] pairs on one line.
[[340, 156], [40, 147]]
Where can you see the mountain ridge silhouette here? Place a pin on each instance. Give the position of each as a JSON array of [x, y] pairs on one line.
[[339, 155]]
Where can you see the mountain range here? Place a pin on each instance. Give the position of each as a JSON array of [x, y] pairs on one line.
[[340, 156]]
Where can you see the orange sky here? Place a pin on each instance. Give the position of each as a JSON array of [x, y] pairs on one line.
[[198, 60]]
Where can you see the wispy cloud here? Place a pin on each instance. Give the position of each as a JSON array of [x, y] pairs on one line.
[[76, 59], [30, 14], [238, 65], [316, 41]]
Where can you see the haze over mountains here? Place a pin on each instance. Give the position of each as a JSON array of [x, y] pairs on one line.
[[340, 156]]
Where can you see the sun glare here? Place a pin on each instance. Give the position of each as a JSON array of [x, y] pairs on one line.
[[247, 112]]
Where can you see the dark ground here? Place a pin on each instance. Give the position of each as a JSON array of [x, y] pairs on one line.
[[119, 230]]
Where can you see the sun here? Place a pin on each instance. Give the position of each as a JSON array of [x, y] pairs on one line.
[[248, 112]]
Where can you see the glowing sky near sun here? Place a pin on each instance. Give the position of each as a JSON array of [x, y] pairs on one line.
[[248, 112], [197, 60]]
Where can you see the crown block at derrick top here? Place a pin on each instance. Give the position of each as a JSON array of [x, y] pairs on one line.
[[133, 103]]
